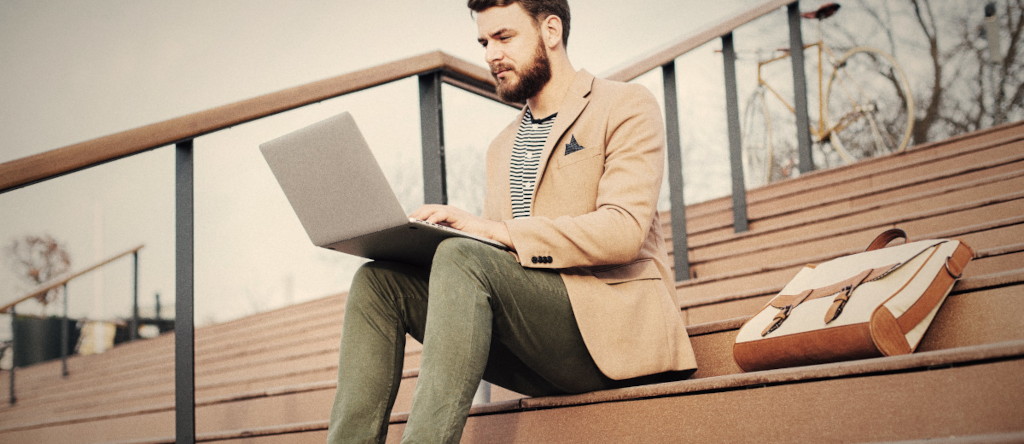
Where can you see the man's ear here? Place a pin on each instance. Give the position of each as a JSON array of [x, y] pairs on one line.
[[551, 30]]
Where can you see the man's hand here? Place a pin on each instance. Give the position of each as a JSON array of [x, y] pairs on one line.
[[464, 221]]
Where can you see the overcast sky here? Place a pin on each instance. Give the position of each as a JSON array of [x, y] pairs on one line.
[[76, 70]]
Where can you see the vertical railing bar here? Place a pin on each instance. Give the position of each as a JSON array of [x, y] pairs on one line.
[[184, 331], [134, 334], [435, 188], [435, 183], [803, 121], [680, 244], [732, 108], [14, 349], [64, 336]]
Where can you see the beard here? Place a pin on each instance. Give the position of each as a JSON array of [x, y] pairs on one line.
[[531, 79]]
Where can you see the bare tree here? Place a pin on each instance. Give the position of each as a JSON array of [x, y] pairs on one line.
[[957, 86], [994, 94], [37, 259]]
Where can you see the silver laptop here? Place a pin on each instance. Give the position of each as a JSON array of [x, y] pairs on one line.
[[342, 198]]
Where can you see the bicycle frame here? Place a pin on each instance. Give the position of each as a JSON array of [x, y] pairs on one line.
[[819, 132], [852, 120]]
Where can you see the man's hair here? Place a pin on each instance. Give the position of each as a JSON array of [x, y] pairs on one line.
[[538, 9]]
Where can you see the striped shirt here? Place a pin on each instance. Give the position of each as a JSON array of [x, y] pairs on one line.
[[525, 159]]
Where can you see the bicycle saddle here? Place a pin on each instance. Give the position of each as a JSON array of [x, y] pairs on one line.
[[824, 12]]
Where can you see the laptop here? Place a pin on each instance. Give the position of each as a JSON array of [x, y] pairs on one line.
[[342, 198]]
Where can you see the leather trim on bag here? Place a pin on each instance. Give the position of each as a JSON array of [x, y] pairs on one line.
[[936, 291], [843, 297], [829, 290], [814, 347], [887, 334]]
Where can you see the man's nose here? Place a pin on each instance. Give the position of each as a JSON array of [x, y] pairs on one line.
[[493, 54]]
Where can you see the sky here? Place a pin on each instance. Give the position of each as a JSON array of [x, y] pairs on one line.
[[72, 71]]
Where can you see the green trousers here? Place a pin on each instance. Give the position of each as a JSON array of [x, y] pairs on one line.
[[480, 315]]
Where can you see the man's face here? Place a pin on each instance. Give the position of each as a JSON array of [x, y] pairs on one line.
[[514, 51]]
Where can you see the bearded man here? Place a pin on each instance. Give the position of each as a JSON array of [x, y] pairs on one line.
[[585, 300]]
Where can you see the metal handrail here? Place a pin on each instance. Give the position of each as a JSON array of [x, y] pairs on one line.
[[659, 57], [64, 279], [50, 164]]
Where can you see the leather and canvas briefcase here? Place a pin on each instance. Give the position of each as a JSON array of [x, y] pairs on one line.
[[870, 304]]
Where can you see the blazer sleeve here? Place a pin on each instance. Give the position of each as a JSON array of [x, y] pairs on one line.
[[627, 195]]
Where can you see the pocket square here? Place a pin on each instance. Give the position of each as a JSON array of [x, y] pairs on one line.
[[572, 146]]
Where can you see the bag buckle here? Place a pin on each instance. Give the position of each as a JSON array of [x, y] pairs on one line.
[[779, 319], [838, 304]]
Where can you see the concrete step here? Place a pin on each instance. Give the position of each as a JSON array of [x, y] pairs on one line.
[[1003, 175], [981, 311], [142, 354], [993, 243], [784, 196], [770, 248], [964, 395], [938, 220]]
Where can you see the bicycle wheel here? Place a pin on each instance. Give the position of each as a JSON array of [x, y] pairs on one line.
[[767, 155], [869, 109], [758, 147]]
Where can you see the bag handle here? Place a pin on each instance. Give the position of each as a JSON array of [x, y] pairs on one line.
[[887, 236]]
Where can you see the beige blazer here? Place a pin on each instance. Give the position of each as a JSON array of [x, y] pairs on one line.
[[594, 218]]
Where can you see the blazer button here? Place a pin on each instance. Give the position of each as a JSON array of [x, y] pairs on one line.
[[534, 259]]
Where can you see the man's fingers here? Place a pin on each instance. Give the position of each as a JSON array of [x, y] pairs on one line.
[[436, 214], [424, 212], [437, 217]]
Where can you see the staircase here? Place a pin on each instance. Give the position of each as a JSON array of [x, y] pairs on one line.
[[269, 378]]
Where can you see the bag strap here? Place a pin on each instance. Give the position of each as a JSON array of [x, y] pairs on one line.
[[887, 236], [938, 289], [843, 289]]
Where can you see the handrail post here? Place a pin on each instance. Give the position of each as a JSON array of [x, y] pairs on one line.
[[64, 336], [14, 349], [803, 122], [435, 189], [435, 184], [680, 246], [732, 109], [184, 332], [134, 333]]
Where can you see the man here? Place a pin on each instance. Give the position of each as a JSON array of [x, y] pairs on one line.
[[585, 301]]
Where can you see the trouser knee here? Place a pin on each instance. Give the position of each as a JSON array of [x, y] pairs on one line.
[[459, 263], [365, 284], [460, 249], [377, 284]]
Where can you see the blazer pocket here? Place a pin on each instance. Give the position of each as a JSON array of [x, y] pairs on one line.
[[634, 271], [565, 160]]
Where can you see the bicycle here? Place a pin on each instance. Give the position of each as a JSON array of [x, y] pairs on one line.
[[866, 110]]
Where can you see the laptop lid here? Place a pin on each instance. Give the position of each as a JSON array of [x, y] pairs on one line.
[[332, 181]]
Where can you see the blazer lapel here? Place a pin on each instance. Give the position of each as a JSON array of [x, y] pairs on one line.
[[576, 100]]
